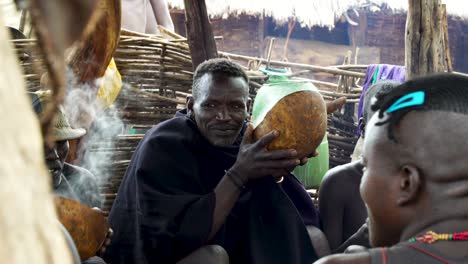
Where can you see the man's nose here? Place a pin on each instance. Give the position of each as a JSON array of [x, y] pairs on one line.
[[223, 114]]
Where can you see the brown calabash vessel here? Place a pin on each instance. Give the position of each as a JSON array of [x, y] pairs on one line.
[[87, 227], [301, 120], [90, 56]]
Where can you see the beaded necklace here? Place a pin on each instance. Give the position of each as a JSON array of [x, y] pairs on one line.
[[431, 237]]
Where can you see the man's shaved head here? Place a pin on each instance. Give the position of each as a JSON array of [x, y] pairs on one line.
[[215, 67], [417, 175], [442, 92]]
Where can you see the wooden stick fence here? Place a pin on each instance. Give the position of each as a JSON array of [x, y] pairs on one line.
[[157, 73]]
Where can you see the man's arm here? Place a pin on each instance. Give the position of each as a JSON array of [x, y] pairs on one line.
[[254, 161], [226, 194], [361, 238], [358, 258], [162, 14], [331, 207]]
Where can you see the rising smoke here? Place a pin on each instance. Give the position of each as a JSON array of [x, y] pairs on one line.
[[85, 110]]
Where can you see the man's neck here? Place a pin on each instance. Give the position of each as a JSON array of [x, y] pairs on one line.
[[455, 249], [441, 225]]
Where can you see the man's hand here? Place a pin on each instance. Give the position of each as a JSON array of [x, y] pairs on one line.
[[106, 243], [302, 162], [254, 161], [109, 234], [306, 159]]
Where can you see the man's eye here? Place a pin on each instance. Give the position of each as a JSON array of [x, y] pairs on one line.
[[209, 105], [238, 106]]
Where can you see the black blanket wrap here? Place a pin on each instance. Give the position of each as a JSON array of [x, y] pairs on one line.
[[164, 207]]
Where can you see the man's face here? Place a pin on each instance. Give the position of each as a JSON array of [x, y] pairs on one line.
[[379, 186], [55, 159], [221, 108]]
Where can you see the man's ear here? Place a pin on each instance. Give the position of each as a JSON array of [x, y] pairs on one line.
[[189, 103], [249, 104], [410, 180], [362, 126]]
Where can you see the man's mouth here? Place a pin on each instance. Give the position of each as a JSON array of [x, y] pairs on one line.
[[224, 132]]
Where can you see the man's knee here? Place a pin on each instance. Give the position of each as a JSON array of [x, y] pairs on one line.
[[218, 253], [319, 241], [211, 254]]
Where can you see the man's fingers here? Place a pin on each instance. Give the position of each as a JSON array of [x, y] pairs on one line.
[[110, 232], [278, 154], [280, 164], [248, 135], [335, 105], [266, 139], [97, 209]]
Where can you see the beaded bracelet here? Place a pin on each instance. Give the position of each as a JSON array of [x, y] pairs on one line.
[[235, 180]]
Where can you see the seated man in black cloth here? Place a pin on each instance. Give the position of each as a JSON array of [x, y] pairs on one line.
[[415, 182], [342, 210], [198, 179], [69, 181]]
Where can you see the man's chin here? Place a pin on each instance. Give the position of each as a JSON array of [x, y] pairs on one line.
[[222, 142]]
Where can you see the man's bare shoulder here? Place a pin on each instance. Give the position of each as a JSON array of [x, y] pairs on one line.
[[356, 258]]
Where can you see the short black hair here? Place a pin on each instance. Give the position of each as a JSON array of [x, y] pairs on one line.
[[380, 89], [216, 66], [447, 92]]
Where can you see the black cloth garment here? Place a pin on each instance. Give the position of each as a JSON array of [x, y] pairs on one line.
[[164, 207]]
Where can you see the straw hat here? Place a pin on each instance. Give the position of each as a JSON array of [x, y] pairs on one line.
[[62, 128]]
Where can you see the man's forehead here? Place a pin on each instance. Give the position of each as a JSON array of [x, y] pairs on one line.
[[215, 85], [376, 135]]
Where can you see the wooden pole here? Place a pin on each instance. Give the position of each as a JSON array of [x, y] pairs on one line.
[[448, 57], [424, 43], [199, 33]]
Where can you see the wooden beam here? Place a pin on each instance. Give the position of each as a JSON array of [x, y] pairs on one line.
[[424, 42], [312, 68], [199, 33]]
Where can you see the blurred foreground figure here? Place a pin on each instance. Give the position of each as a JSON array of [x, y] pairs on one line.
[[415, 182]]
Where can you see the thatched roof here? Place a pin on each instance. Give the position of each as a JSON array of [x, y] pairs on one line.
[[454, 7], [308, 12]]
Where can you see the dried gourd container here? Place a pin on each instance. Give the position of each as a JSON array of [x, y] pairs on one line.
[[298, 112]]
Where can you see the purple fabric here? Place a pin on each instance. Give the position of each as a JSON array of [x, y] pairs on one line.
[[386, 72], [301, 200], [367, 83]]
